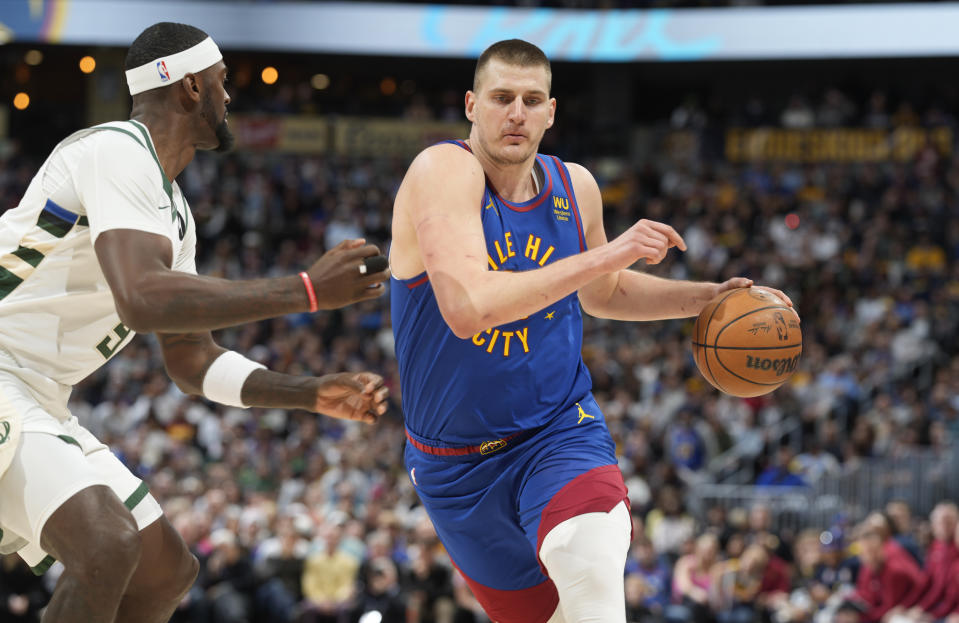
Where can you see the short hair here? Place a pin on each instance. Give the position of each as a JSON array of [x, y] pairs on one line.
[[162, 39], [513, 52]]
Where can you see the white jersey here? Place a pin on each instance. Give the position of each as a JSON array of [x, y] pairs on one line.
[[58, 320]]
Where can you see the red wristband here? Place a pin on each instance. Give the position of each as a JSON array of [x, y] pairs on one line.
[[308, 283]]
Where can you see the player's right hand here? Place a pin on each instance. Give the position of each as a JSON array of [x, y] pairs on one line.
[[649, 240], [357, 396], [337, 279]]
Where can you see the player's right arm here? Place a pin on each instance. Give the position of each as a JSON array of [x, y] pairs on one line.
[[152, 297], [440, 197], [118, 182]]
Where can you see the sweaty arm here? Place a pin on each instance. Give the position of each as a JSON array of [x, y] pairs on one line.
[[628, 294], [189, 358], [441, 194], [128, 202]]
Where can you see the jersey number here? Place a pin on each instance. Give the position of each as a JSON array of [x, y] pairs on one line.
[[107, 346]]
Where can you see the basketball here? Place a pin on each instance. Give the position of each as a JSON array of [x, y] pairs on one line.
[[747, 342]]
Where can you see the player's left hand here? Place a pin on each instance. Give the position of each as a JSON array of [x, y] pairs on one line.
[[742, 282], [351, 396]]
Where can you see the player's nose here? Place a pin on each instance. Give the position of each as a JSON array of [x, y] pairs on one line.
[[517, 112]]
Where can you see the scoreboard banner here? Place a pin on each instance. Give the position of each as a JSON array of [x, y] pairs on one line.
[[731, 33]]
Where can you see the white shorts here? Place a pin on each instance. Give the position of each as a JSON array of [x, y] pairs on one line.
[[55, 459]]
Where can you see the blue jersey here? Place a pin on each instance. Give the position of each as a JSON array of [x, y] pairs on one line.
[[507, 379]]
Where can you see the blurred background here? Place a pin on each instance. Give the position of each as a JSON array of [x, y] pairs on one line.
[[808, 147]]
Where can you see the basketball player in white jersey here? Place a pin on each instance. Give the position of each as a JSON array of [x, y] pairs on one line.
[[102, 246]]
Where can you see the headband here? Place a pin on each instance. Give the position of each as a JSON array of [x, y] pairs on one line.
[[166, 70]]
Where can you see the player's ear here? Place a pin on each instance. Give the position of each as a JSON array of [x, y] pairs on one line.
[[191, 86], [470, 105], [552, 112]]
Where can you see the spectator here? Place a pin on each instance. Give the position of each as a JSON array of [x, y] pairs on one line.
[[329, 580], [381, 593], [22, 594], [228, 578], [940, 559], [669, 526], [780, 472], [886, 582], [647, 581], [739, 597], [692, 584]]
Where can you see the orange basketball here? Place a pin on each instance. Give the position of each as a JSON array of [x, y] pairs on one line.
[[747, 342]]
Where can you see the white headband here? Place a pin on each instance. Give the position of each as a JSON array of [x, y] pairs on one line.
[[169, 69]]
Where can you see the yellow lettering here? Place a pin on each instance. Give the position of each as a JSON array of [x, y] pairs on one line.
[[560, 202], [492, 340], [491, 262], [523, 335], [506, 336], [478, 340], [532, 247], [546, 255], [509, 245], [499, 252]]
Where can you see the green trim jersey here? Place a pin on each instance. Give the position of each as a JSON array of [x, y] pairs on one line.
[[58, 320]]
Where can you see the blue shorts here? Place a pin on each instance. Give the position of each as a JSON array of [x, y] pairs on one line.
[[492, 510]]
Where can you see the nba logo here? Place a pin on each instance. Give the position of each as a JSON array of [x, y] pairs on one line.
[[164, 74]]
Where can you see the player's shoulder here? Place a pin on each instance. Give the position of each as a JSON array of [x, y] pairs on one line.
[[119, 141], [579, 174], [447, 159]]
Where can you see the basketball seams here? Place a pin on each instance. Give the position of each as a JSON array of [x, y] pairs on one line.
[[749, 347], [716, 346], [706, 338]]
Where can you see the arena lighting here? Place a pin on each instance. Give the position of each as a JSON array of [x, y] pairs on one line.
[[320, 81], [269, 75], [21, 101], [88, 64], [33, 57], [388, 86]]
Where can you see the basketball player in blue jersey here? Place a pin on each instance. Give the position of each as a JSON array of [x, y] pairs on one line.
[[495, 247]]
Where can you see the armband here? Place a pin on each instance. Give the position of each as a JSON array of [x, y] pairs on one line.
[[224, 379]]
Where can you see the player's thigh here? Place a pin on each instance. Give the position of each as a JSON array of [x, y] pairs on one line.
[[45, 472], [131, 490], [51, 467], [573, 471], [473, 508]]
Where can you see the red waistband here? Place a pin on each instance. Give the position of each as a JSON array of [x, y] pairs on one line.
[[487, 447]]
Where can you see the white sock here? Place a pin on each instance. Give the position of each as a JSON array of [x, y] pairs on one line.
[[585, 556]]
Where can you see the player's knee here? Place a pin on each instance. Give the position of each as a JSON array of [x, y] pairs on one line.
[[110, 552], [587, 550]]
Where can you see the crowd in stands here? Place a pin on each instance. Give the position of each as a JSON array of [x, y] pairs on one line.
[[296, 517]]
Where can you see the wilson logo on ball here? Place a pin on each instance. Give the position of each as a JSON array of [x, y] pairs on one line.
[[779, 366]]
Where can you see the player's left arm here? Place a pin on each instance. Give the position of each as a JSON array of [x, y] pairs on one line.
[[629, 294], [349, 396]]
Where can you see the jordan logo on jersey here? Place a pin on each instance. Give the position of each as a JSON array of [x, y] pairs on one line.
[[583, 415]]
